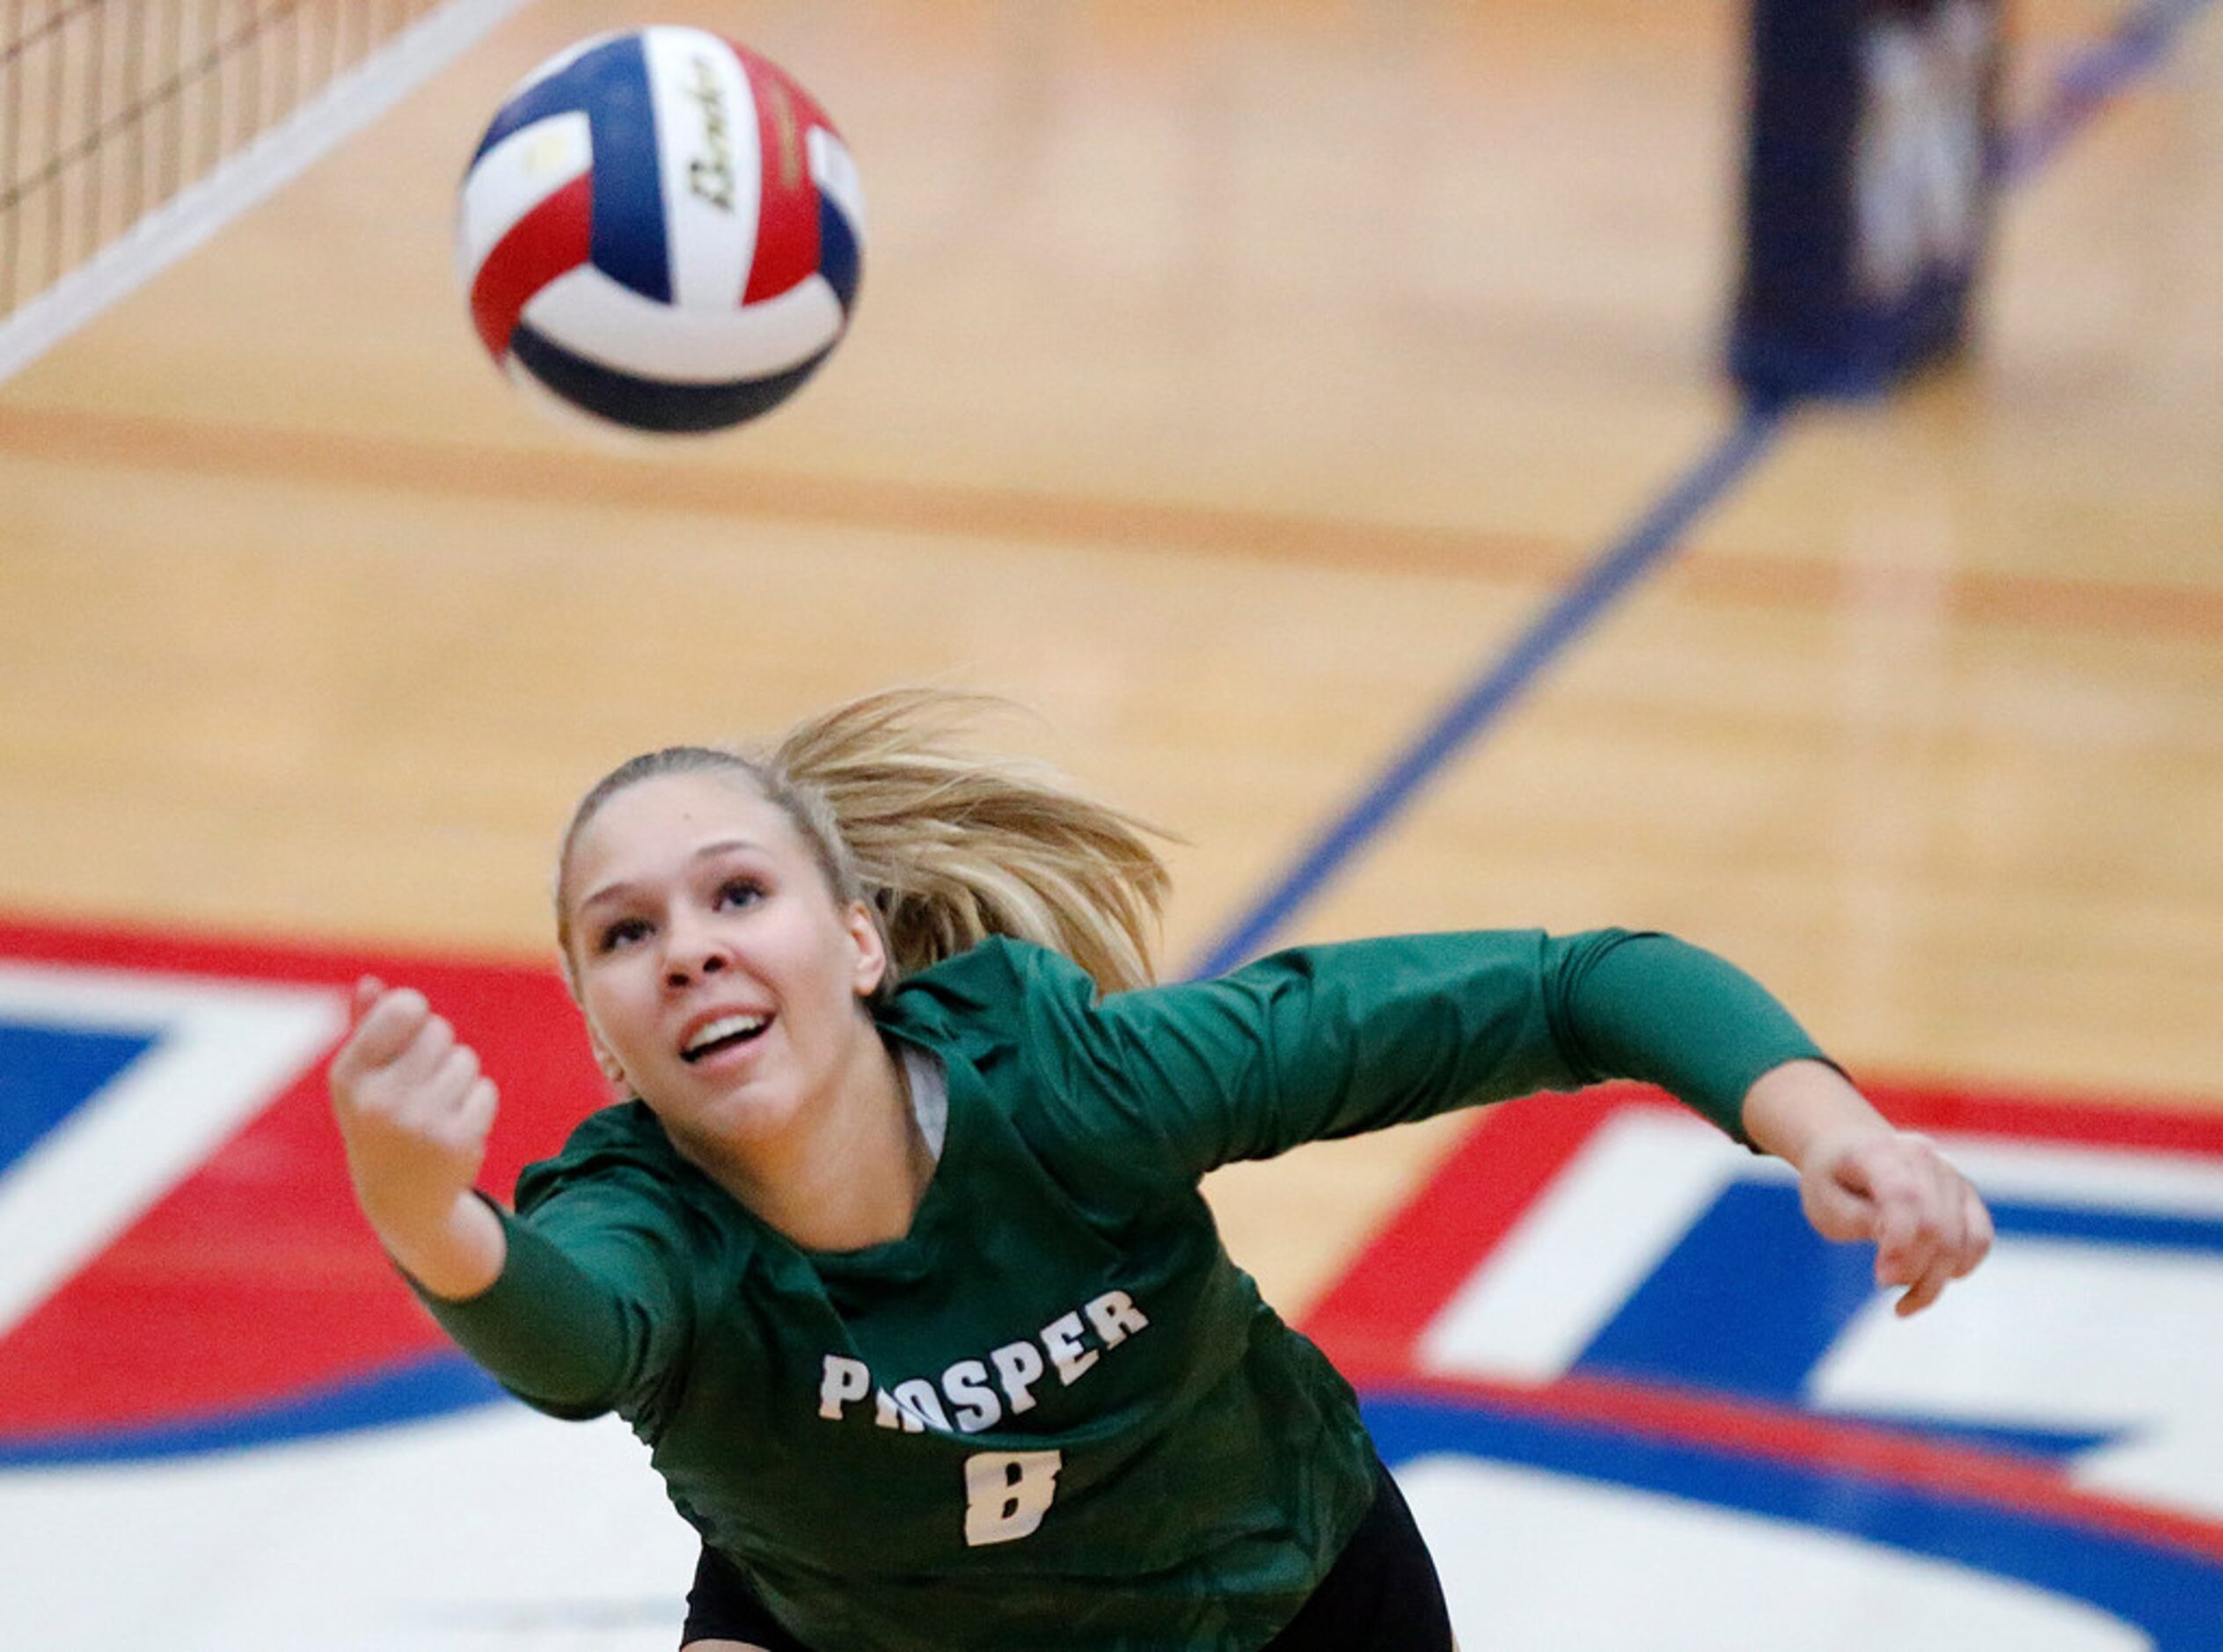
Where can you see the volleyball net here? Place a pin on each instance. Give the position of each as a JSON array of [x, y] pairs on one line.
[[130, 130]]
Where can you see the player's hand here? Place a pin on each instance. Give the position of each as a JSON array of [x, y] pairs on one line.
[[1896, 1190], [413, 1111]]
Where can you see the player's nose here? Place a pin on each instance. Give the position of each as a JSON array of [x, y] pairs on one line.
[[693, 950]]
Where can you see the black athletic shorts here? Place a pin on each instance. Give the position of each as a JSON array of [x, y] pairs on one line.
[[1382, 1594]]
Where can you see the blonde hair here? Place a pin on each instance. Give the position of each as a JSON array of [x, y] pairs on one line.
[[947, 846]]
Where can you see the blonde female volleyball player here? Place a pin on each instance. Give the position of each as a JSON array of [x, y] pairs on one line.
[[896, 1256]]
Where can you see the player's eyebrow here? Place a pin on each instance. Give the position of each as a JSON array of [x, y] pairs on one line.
[[620, 888]]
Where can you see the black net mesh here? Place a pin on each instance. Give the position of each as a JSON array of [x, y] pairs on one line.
[[110, 109]]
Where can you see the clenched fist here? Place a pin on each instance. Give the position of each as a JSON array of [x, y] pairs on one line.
[[415, 1112]]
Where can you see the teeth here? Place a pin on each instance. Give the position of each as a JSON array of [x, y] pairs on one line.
[[724, 1026]]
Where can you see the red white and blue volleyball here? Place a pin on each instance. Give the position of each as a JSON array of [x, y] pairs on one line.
[[662, 228]]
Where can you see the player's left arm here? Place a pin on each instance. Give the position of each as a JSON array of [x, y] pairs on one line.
[[1861, 1178]]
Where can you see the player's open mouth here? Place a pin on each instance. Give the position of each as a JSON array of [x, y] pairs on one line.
[[728, 1032]]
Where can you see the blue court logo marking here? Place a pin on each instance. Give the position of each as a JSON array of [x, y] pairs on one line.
[[171, 1193], [1656, 1319]]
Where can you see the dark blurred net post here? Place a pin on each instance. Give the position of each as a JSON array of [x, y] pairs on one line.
[[122, 117], [1870, 177]]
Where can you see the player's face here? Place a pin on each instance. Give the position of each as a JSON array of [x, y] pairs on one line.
[[713, 961]]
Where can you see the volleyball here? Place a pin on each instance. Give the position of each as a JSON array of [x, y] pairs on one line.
[[663, 229]]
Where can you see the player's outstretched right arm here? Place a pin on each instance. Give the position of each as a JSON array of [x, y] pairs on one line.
[[415, 1112], [572, 1339]]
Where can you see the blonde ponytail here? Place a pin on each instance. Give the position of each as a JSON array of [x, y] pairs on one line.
[[951, 846], [947, 845]]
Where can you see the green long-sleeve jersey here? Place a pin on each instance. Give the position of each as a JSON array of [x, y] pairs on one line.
[[1055, 1415]]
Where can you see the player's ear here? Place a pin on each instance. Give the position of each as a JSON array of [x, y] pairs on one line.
[[612, 1069], [871, 948]]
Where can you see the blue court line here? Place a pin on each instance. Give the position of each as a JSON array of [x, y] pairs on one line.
[[419, 1386], [2172, 1593], [2138, 43], [1483, 702]]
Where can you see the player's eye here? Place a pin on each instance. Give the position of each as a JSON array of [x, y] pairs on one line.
[[623, 932], [740, 892]]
